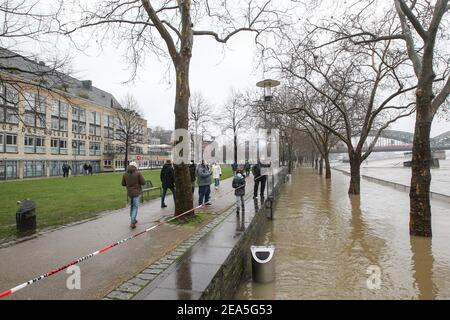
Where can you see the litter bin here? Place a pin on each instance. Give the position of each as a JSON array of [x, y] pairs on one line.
[[263, 264], [26, 216]]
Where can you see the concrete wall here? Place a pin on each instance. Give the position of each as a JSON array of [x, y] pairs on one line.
[[238, 264]]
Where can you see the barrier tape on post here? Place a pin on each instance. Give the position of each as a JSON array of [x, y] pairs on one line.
[[48, 274]]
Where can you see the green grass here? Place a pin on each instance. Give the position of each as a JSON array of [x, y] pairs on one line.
[[193, 220], [61, 201]]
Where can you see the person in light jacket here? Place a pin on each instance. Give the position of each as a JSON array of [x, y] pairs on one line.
[[217, 173]]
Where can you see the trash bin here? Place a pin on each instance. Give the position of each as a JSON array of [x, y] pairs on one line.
[[26, 216], [263, 264]]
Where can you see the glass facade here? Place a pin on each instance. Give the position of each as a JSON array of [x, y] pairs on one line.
[[8, 170], [33, 169]]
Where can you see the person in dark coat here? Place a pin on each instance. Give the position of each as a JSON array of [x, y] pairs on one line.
[[133, 180], [85, 169], [234, 167], [192, 168], [239, 189], [247, 168], [66, 168], [89, 169], [168, 182], [260, 179]]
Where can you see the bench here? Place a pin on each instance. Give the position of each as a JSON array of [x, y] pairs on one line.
[[148, 187]]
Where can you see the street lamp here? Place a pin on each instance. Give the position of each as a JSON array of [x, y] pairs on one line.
[[267, 85]]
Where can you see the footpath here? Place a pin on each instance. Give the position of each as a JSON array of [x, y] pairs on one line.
[[104, 273]]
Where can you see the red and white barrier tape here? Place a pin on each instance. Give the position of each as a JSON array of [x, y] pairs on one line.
[[48, 274]]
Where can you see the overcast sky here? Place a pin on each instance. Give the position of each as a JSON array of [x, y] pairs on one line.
[[215, 69]]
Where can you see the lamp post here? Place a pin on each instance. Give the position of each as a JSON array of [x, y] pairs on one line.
[[267, 85]]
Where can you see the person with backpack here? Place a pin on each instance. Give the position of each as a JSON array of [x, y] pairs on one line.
[[133, 180], [167, 177], [234, 167], [204, 183], [239, 190]]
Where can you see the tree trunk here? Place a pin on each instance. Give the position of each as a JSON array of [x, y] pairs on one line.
[[355, 174], [321, 166], [316, 165], [327, 166], [184, 198], [125, 163], [235, 146], [420, 209]]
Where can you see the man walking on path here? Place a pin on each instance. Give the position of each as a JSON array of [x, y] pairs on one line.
[[216, 172], [192, 173], [259, 179], [204, 183], [167, 177], [133, 180]]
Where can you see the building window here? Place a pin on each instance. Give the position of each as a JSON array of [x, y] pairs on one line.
[[2, 142], [107, 163], [78, 120], [78, 147], [95, 124], [8, 170], [34, 144], [58, 146], [11, 142], [59, 116], [34, 169], [94, 149], [9, 99], [108, 126], [35, 110]]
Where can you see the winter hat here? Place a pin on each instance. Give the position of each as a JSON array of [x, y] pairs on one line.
[[133, 164]]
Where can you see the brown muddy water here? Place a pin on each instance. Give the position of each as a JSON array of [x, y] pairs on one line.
[[333, 246]]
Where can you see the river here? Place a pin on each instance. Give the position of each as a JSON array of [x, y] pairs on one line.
[[333, 246]]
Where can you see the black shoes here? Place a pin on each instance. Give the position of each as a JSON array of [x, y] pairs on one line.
[[163, 206]]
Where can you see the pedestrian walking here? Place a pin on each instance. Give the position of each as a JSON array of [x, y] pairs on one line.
[[66, 168], [234, 167], [89, 169], [167, 177], [239, 190], [204, 183], [247, 168], [85, 169], [133, 180], [217, 173], [259, 179], [192, 173]]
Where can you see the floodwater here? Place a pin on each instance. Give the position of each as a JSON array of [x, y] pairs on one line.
[[329, 245]]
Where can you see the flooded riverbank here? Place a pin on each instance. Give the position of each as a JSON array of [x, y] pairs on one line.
[[332, 246]]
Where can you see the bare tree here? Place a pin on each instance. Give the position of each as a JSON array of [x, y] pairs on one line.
[[167, 29], [129, 127], [200, 115], [24, 23], [421, 32], [234, 115], [365, 85]]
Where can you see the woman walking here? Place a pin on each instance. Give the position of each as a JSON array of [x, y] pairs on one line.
[[216, 172]]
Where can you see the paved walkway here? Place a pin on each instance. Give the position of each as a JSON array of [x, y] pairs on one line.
[[105, 272]]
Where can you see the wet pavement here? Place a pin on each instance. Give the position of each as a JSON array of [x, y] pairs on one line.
[[188, 278], [105, 272], [329, 245]]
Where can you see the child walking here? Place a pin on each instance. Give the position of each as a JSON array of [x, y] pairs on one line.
[[239, 190]]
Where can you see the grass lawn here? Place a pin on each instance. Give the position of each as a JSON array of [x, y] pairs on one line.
[[61, 201]]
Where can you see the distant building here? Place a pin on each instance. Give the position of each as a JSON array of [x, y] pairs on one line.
[[57, 120]]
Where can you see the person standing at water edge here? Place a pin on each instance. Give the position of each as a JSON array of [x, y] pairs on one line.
[[133, 180], [217, 173], [168, 182], [239, 190], [204, 183]]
